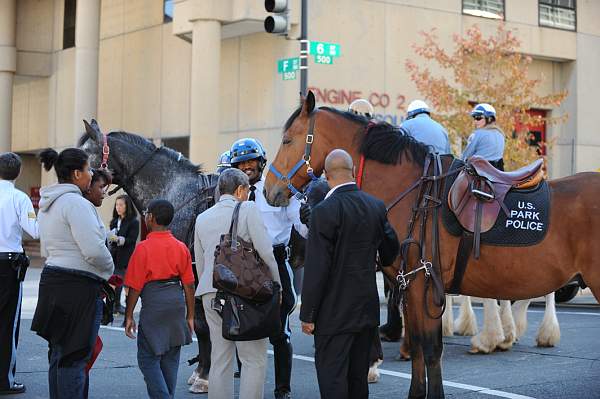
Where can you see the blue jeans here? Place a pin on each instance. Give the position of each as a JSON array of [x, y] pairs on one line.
[[71, 382], [160, 372]]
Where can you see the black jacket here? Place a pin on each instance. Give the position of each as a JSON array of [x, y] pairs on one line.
[[66, 310], [347, 230], [130, 229]]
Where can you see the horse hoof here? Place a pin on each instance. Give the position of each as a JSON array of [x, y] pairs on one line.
[[476, 351], [199, 386], [193, 377], [388, 338], [373, 377]]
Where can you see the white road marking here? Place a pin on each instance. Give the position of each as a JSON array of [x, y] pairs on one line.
[[466, 387]]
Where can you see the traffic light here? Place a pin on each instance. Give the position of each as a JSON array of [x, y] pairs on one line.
[[277, 23]]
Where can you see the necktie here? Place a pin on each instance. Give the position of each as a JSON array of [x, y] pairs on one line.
[[252, 196]]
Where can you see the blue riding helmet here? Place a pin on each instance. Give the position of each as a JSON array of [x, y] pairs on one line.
[[224, 161], [485, 110], [246, 149]]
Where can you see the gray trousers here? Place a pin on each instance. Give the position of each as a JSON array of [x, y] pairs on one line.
[[252, 354]]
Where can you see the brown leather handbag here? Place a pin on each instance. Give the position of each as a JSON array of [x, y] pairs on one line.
[[238, 268]]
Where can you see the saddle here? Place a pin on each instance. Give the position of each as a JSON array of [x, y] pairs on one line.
[[478, 192]]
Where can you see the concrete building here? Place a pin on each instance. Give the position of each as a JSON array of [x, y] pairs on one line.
[[198, 74]]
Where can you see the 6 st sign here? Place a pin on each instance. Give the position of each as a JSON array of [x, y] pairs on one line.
[[324, 49]]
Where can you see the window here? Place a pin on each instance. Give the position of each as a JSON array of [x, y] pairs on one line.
[[558, 14], [484, 8], [168, 10], [69, 24]]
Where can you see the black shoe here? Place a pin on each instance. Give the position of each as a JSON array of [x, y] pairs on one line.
[[283, 395], [237, 374], [16, 388]]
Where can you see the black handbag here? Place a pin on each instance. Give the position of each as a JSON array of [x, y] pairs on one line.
[[246, 320]]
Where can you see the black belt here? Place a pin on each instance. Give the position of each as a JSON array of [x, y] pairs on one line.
[[280, 252], [6, 257]]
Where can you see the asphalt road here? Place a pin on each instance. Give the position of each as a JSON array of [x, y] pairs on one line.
[[570, 370]]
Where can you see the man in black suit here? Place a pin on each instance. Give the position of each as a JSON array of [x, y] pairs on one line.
[[340, 303]]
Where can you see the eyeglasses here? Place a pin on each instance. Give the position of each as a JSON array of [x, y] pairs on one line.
[[478, 117]]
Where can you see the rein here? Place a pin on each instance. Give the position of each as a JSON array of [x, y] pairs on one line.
[[428, 199], [305, 160]]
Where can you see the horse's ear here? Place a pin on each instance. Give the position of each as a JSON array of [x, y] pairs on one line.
[[308, 105], [93, 130]]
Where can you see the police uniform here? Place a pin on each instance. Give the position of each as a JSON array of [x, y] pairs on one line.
[[16, 215], [278, 222], [428, 131], [488, 143]]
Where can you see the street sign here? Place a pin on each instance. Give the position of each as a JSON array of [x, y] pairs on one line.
[[289, 75], [323, 59], [288, 65], [324, 49]]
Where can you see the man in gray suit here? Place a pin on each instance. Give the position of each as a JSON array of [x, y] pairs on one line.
[[210, 225]]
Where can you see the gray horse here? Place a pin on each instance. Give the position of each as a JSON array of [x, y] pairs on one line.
[[147, 172]]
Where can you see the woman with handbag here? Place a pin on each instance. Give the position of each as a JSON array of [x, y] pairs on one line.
[[211, 225]]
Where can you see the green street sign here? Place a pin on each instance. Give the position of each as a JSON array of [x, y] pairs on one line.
[[324, 59], [289, 75], [288, 65], [324, 49]]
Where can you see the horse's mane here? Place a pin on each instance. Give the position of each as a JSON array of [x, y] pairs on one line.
[[149, 146], [383, 142]]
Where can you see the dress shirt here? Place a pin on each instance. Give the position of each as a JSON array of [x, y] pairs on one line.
[[16, 215], [279, 220], [330, 192]]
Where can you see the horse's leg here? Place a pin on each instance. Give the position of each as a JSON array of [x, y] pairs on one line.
[[404, 351], [491, 335], [508, 325], [413, 331], [448, 318], [519, 309], [375, 359], [549, 331], [200, 385], [466, 324], [432, 352]]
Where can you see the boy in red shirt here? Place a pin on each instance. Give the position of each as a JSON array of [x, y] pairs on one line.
[[158, 269]]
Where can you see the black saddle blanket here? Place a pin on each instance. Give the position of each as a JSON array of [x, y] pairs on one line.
[[526, 224]]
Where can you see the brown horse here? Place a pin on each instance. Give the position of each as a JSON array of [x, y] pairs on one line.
[[393, 163]]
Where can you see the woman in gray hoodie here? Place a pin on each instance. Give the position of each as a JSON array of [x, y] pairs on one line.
[[70, 305]]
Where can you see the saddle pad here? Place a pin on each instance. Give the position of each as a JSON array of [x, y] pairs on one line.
[[527, 223]]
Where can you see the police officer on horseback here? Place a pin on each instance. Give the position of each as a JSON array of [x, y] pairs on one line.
[[487, 140], [423, 128], [249, 156]]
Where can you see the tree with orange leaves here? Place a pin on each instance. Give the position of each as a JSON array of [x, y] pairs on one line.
[[484, 69]]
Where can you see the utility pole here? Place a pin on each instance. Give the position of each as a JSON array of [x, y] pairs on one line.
[[304, 44]]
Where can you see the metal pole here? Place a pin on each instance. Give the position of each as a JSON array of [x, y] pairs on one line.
[[304, 49]]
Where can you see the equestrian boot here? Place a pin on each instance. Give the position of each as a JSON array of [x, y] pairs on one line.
[[283, 368], [392, 330]]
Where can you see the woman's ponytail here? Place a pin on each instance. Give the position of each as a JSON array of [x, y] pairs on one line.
[[48, 158]]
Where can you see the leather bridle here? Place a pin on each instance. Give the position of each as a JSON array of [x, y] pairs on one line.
[[104, 163], [305, 160]]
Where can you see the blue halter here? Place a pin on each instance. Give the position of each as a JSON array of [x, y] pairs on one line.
[[287, 179]]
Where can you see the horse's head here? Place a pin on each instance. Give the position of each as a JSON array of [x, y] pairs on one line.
[[309, 135], [91, 142]]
